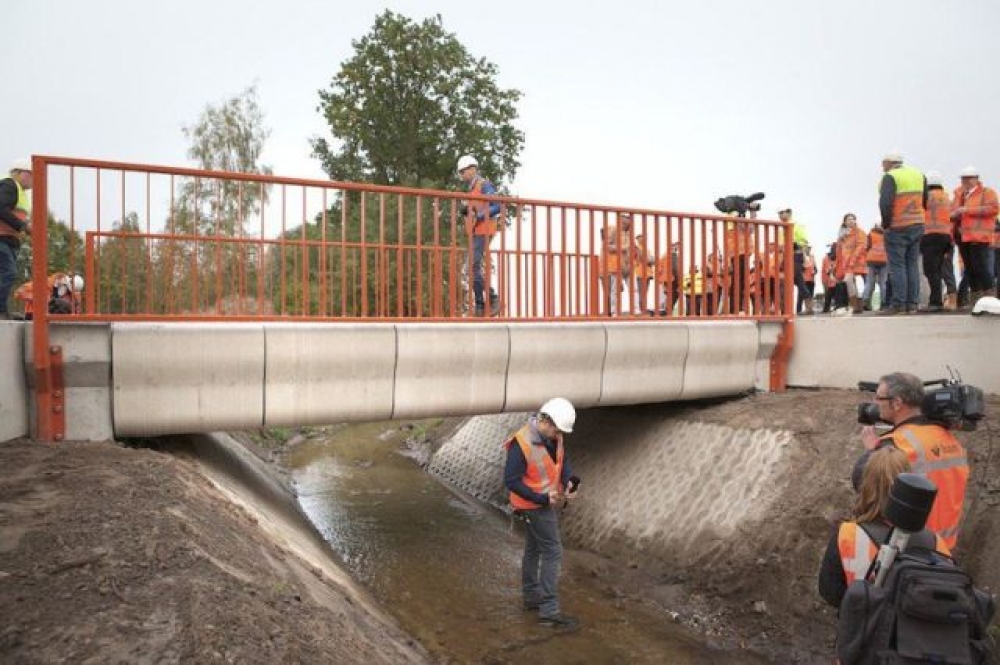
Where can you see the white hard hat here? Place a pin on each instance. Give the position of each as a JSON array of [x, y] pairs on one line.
[[22, 164], [986, 305], [560, 412], [465, 161], [934, 178], [893, 156], [970, 172], [77, 284]]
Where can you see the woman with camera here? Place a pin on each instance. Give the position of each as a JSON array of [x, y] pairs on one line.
[[855, 543]]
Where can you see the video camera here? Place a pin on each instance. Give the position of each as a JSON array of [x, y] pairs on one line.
[[954, 405], [739, 204]]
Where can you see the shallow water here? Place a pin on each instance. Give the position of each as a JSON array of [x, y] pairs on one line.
[[449, 569]]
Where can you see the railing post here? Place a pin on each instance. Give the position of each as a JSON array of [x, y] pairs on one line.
[[50, 420]]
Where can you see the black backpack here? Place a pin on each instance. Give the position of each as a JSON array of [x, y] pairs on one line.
[[927, 611]]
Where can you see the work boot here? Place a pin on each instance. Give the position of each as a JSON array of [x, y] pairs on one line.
[[866, 304], [810, 306], [892, 310], [856, 306], [951, 302], [495, 307], [480, 310], [560, 621]]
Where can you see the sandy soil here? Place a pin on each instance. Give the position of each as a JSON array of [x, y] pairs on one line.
[[110, 554]]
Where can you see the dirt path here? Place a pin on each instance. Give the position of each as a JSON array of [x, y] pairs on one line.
[[109, 554]]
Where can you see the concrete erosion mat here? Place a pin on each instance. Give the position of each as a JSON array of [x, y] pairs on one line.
[[719, 512]]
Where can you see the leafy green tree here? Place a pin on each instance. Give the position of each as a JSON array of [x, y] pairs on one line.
[[409, 102], [124, 269], [65, 251]]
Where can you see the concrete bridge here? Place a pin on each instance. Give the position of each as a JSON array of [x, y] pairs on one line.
[[327, 302]]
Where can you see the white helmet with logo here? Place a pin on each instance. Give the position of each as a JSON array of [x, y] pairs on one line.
[[560, 412], [935, 178], [465, 161]]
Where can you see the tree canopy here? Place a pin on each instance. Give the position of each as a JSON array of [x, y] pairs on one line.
[[409, 102]]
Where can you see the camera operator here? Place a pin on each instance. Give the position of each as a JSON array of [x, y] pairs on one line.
[[931, 449]]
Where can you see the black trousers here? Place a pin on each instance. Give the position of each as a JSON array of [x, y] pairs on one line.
[[934, 248], [976, 256]]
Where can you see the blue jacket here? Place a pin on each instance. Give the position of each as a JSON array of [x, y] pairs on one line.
[[487, 190]]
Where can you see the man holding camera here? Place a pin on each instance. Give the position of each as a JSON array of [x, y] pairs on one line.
[[932, 450], [540, 482]]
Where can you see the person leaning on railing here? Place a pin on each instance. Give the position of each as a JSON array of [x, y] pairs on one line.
[[15, 208], [481, 224]]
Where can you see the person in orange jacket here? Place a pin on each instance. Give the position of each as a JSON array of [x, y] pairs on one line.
[[974, 210], [539, 482], [878, 270], [932, 450], [938, 239], [809, 277], [852, 253], [854, 545]]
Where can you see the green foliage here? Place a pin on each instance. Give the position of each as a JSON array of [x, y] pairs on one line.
[[410, 101], [126, 265], [65, 251], [228, 137]]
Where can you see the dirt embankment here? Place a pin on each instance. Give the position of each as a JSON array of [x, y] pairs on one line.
[[762, 592], [110, 554]]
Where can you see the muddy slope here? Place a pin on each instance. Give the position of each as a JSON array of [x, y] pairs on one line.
[[109, 554]]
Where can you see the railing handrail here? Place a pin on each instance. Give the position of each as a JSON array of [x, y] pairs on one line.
[[372, 188]]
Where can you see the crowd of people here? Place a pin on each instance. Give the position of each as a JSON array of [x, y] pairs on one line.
[[923, 232]]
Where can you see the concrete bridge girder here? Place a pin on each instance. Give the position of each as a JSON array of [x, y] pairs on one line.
[[148, 379]]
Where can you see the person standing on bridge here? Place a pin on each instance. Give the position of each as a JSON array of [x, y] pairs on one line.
[[902, 201], [974, 211], [481, 225], [15, 208], [932, 450], [540, 482]]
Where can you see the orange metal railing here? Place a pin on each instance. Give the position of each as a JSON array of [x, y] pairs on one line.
[[178, 244]]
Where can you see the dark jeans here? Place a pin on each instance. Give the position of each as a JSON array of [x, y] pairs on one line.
[[800, 279], [837, 296], [935, 248], [996, 269], [948, 271], [479, 246], [695, 307], [976, 257], [8, 274], [807, 292], [739, 272], [542, 556], [903, 247]]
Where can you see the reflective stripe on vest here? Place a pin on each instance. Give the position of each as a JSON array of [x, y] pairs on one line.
[[938, 216], [857, 551], [977, 226], [936, 453], [908, 207], [541, 475]]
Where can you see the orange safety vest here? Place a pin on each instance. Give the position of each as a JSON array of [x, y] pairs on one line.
[[615, 253], [738, 237], [908, 206], [473, 225], [876, 247], [977, 225], [936, 453], [542, 474], [829, 280], [640, 261], [853, 247], [858, 550], [809, 268], [938, 215], [19, 211]]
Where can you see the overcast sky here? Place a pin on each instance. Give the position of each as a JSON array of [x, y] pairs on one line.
[[660, 104]]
